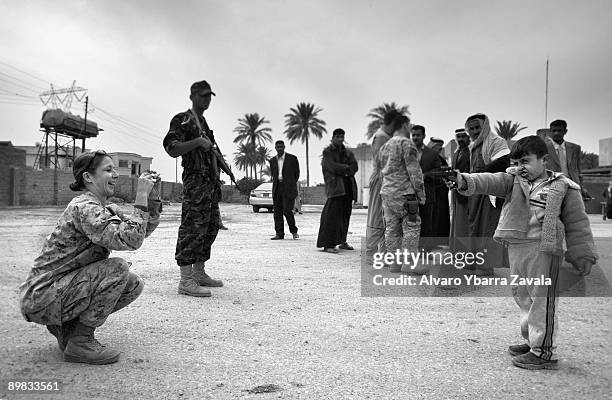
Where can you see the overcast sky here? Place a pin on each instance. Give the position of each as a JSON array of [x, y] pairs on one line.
[[445, 59]]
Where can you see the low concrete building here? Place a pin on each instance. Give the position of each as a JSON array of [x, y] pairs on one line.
[[130, 164], [127, 164], [64, 156]]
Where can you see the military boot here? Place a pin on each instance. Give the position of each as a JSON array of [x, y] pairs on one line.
[[203, 279], [56, 330], [188, 285], [83, 347], [62, 333]]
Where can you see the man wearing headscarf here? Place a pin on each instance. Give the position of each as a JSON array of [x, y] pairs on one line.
[[489, 152], [459, 222], [375, 231]]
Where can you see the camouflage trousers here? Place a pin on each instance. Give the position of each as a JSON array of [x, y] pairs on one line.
[[96, 291], [400, 232], [200, 218]]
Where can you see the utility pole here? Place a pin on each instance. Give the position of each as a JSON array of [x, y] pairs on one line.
[[85, 124], [546, 99]]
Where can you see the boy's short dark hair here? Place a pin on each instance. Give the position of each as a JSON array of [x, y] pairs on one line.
[[559, 122], [419, 128], [529, 145], [338, 131], [279, 142]]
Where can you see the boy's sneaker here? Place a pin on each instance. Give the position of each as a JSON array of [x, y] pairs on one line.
[[518, 349], [531, 361]]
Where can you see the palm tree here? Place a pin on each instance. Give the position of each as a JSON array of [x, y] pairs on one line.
[[508, 130], [245, 158], [262, 155], [378, 116], [250, 130], [300, 123]]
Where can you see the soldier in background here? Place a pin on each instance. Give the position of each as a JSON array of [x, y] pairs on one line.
[[375, 231], [402, 191], [190, 137]]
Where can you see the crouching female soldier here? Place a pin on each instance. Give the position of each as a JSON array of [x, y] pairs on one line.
[[74, 285]]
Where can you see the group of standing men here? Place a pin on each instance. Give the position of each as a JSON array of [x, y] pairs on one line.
[[408, 205], [409, 201]]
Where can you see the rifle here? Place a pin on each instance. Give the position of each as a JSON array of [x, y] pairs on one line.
[[215, 148], [220, 159]]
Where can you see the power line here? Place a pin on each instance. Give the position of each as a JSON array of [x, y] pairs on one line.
[[127, 128], [22, 81], [18, 85], [129, 125], [121, 129], [25, 73], [18, 103], [11, 93]]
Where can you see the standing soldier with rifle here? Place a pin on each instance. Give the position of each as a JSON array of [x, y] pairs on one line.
[[190, 137]]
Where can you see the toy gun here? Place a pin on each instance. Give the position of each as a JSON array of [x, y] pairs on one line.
[[447, 174]]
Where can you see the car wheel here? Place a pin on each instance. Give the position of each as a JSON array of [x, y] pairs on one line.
[[255, 209]]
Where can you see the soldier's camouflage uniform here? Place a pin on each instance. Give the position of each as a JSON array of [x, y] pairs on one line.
[[74, 276], [200, 214], [402, 176]]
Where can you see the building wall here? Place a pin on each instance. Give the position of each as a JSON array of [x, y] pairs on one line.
[[24, 186], [314, 195], [11, 158], [363, 155], [605, 152], [51, 187]]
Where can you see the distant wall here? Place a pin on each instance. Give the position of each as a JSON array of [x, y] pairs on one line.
[[595, 185], [11, 158], [24, 186], [314, 195]]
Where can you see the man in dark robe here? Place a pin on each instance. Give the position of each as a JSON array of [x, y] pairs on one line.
[[339, 168], [441, 214], [429, 161]]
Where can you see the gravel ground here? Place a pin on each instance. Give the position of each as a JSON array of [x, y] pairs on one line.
[[291, 323]]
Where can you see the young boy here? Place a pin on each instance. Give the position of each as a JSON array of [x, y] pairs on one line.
[[543, 209]]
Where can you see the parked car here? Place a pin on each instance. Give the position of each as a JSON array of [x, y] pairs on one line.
[[261, 197]]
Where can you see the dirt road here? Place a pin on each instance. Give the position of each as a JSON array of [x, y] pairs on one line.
[[290, 323]]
